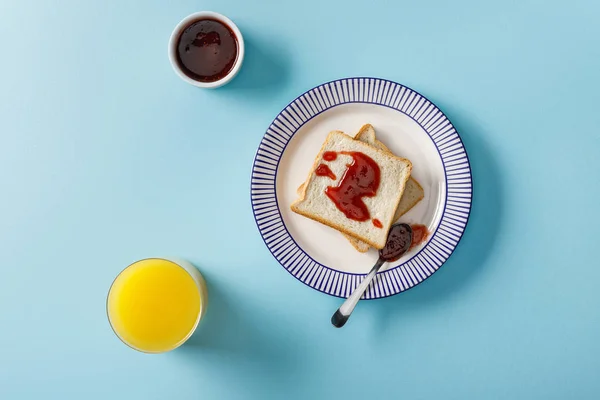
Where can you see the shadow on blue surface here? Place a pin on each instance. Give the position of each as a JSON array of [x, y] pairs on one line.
[[238, 339], [265, 71], [469, 259]]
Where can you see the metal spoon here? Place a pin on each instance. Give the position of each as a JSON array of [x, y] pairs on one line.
[[398, 242]]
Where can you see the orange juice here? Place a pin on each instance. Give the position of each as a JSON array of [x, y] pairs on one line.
[[154, 305]]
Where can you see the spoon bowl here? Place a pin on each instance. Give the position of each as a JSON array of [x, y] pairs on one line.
[[398, 242]]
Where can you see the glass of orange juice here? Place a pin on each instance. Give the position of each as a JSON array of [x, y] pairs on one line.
[[154, 305]]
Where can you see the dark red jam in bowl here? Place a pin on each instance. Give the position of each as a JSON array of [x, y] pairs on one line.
[[207, 50]]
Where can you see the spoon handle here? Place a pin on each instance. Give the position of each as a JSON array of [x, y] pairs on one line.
[[340, 317]]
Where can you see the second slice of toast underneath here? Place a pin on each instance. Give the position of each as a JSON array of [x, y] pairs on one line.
[[413, 192]]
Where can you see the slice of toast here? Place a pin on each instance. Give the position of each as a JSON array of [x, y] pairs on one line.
[[314, 204], [413, 192]]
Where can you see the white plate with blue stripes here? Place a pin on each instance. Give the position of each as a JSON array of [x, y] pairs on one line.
[[412, 127]]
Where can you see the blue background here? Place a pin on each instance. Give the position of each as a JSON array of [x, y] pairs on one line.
[[106, 157]]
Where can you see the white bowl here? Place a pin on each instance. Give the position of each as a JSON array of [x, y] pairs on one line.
[[173, 41]]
